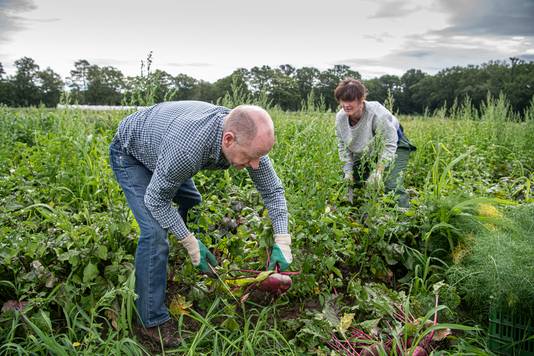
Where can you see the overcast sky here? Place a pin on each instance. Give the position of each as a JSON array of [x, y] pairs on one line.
[[208, 39]]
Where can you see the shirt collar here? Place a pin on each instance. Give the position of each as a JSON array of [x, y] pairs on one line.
[[216, 154]]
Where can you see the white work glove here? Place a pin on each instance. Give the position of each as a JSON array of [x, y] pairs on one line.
[[375, 178], [199, 253], [281, 253]]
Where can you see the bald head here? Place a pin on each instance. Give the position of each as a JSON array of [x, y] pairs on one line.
[[252, 126]]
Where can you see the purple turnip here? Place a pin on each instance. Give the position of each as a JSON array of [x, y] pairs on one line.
[[276, 283]]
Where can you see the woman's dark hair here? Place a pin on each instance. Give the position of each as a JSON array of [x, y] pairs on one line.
[[350, 89]]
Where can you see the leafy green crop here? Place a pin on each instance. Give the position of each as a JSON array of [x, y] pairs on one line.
[[68, 238]]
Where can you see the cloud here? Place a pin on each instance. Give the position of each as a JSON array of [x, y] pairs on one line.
[[432, 53], [378, 37], [489, 17], [395, 8], [478, 31], [9, 21], [16, 5], [417, 53], [527, 57], [473, 17]]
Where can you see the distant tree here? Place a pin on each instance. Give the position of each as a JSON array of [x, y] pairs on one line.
[[520, 89], [132, 94], [330, 78], [26, 92], [405, 100], [204, 91], [380, 88], [471, 81], [286, 86], [239, 78], [307, 79], [104, 85], [185, 87], [287, 69], [50, 87], [284, 89], [422, 93], [78, 82], [164, 85], [6, 89], [343, 71], [261, 79]]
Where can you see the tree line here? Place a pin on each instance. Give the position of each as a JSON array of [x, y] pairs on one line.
[[286, 86]]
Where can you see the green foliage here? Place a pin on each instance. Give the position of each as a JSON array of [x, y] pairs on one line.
[[389, 103], [226, 330], [313, 104], [104, 85], [497, 270], [67, 237], [290, 88], [236, 96], [143, 89], [30, 86]]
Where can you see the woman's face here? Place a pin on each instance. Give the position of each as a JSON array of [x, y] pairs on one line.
[[353, 109]]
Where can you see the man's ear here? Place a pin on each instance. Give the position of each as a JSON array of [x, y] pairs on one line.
[[228, 138]]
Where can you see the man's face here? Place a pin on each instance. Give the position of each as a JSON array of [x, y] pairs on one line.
[[240, 155], [353, 109]]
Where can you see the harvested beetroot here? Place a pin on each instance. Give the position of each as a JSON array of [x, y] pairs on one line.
[[276, 283], [419, 351]]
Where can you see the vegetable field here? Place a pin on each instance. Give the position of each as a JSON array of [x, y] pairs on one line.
[[374, 279]]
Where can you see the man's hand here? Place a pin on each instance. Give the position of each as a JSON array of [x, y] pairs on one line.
[[199, 253], [281, 253]]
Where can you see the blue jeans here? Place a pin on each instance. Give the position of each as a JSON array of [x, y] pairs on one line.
[[153, 247]]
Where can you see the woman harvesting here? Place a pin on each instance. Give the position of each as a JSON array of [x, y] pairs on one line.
[[370, 139]]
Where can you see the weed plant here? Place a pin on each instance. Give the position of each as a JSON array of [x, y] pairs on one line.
[[497, 269]]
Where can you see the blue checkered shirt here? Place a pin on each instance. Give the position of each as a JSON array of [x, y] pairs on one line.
[[175, 140]]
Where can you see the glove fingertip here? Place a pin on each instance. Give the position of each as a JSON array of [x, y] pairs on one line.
[[212, 260]]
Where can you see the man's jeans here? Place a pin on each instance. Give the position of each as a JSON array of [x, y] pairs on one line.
[[152, 248]]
